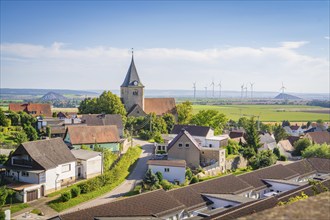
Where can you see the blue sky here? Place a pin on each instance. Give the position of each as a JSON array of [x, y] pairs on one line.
[[232, 41]]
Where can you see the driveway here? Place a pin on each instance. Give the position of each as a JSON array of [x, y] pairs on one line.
[[135, 177]]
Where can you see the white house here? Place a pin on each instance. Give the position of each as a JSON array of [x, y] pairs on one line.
[[39, 167], [172, 170], [89, 163]]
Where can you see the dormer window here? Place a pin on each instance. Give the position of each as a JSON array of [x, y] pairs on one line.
[[135, 92]]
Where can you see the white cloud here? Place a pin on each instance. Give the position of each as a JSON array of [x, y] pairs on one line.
[[59, 66], [293, 44], [327, 37]]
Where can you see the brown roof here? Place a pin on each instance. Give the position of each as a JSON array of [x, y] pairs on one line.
[[172, 163], [236, 134], [286, 145], [160, 106], [322, 165], [177, 138], [303, 167], [294, 127], [93, 134], [153, 204], [273, 172], [45, 154], [102, 119], [40, 109], [319, 137], [292, 139]]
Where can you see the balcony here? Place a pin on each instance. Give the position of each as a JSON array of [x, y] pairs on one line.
[[21, 162]]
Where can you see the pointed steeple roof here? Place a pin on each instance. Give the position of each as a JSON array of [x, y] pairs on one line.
[[132, 77]]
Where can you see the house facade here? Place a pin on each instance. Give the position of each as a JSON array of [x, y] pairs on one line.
[[173, 170], [39, 167], [89, 163]]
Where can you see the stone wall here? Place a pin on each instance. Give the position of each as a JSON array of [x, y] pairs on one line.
[[236, 163]]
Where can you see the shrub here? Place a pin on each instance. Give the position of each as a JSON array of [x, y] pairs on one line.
[[283, 158], [194, 179], [84, 187], [66, 196], [159, 176], [75, 191], [189, 174], [166, 185]]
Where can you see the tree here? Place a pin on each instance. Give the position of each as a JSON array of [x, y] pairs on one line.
[[15, 118], [285, 123], [189, 174], [158, 138], [30, 132], [194, 179], [266, 127], [3, 158], [316, 150], [150, 179], [279, 133], [106, 103], [170, 121], [184, 110], [48, 132], [263, 158], [212, 118], [3, 119], [276, 151], [159, 176], [27, 119], [243, 122], [300, 146], [3, 195], [233, 147], [252, 136], [158, 124], [20, 137]]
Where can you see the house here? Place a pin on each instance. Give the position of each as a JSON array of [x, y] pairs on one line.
[[39, 167], [225, 197], [285, 148], [292, 139], [103, 136], [34, 109], [185, 147], [132, 96], [268, 142], [204, 135], [318, 137], [89, 163], [294, 130], [104, 119], [173, 170]]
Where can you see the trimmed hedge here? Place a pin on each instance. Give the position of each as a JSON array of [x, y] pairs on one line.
[[75, 191], [66, 196]]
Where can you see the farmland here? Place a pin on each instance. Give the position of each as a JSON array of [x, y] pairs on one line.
[[271, 113]]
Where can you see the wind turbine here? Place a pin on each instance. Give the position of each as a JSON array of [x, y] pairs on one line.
[[283, 88], [219, 89], [194, 86], [205, 91], [212, 84], [242, 91], [251, 84], [246, 91]]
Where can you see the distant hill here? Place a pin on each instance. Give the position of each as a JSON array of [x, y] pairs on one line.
[[286, 96], [52, 96], [8, 91]]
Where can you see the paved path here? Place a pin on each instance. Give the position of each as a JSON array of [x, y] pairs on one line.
[[135, 177], [129, 184]]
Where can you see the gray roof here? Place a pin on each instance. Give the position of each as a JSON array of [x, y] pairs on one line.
[[266, 139], [85, 154], [103, 119], [230, 197], [132, 76], [46, 154], [177, 138], [194, 130]]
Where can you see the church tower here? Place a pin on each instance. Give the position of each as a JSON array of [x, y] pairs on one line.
[[132, 90]]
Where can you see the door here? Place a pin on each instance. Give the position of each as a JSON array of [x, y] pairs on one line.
[[42, 190], [79, 172], [32, 195]]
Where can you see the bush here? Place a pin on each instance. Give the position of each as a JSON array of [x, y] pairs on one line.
[[194, 179], [283, 158], [84, 187], [66, 196], [159, 176], [166, 185], [75, 191], [145, 135], [189, 174]]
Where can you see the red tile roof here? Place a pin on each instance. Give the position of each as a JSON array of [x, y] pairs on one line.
[[319, 137], [34, 109], [93, 134], [160, 106]]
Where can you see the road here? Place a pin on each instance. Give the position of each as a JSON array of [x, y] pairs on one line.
[[135, 177]]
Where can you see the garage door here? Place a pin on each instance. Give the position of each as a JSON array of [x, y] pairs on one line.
[[32, 195]]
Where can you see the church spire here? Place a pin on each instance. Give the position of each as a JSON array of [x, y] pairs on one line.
[[132, 77]]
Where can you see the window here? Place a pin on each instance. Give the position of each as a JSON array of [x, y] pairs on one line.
[[135, 92], [24, 173], [180, 144], [167, 170], [159, 147], [66, 168], [210, 145], [187, 144]]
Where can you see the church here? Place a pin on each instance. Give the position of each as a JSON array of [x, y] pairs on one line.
[[132, 96]]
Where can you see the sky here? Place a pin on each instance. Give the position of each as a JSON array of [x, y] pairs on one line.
[[86, 45]]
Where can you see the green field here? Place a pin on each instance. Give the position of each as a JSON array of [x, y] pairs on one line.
[[270, 113]]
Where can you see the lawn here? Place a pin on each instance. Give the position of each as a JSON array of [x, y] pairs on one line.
[[268, 113]]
